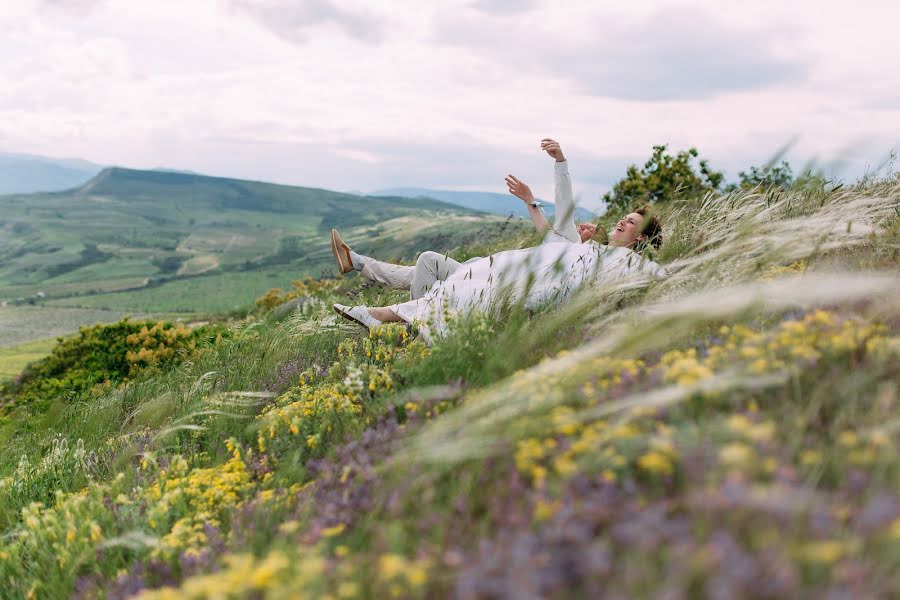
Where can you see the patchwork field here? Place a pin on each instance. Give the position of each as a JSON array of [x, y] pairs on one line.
[[21, 324]]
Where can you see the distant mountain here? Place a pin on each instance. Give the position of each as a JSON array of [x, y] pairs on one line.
[[161, 232], [500, 204], [24, 173]]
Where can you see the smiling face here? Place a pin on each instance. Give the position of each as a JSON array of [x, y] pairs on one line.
[[627, 231]]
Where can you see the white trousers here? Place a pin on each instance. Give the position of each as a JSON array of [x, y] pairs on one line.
[[430, 267]]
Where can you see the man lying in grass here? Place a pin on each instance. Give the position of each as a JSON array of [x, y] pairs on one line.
[[538, 276], [434, 266]]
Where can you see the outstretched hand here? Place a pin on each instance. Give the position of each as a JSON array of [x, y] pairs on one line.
[[552, 148], [519, 189]]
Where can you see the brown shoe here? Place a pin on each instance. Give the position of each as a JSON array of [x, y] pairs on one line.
[[341, 253]]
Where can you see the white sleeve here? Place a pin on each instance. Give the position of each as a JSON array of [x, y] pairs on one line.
[[564, 221]]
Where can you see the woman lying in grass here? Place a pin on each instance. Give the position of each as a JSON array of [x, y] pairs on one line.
[[434, 266], [539, 276]]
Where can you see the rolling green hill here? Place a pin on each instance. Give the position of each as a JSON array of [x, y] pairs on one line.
[[157, 241]]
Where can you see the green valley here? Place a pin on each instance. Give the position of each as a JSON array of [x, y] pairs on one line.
[[131, 241]]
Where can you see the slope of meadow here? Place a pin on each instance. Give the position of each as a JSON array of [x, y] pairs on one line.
[[730, 431]]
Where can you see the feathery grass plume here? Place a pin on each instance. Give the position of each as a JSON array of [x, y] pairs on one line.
[[480, 423], [722, 245]]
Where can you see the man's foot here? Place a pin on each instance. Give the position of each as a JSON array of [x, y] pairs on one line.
[[341, 253], [360, 314]]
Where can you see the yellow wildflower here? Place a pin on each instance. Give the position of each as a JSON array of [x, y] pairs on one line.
[[656, 462], [825, 552], [736, 454], [333, 531]]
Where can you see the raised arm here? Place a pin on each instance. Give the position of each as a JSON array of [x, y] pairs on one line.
[[564, 223], [523, 193]]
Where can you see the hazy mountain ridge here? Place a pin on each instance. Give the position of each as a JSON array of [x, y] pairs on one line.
[[491, 202], [24, 173]]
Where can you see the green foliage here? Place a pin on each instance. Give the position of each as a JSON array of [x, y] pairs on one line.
[[779, 175], [663, 178], [108, 354]]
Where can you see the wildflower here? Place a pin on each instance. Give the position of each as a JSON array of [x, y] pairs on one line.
[[656, 462], [289, 527], [826, 552], [95, 532], [894, 529], [736, 454], [416, 575], [333, 531], [564, 466], [810, 457], [391, 565], [545, 510]]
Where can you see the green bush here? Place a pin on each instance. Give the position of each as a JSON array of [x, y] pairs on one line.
[[106, 354]]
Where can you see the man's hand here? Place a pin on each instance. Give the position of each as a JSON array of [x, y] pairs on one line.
[[552, 148], [519, 189]]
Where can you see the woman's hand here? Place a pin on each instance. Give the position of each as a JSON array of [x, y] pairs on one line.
[[586, 231], [519, 189], [552, 148]]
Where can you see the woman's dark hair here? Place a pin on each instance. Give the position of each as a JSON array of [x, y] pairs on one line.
[[651, 227]]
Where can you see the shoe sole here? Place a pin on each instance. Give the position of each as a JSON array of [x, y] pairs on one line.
[[337, 256], [349, 317], [342, 268]]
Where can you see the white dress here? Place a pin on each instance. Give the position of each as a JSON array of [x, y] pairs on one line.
[[540, 276]]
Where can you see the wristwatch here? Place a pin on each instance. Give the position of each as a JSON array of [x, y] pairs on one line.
[[535, 204]]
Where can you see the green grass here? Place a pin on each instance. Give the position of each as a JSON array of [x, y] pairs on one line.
[[14, 358], [729, 430]]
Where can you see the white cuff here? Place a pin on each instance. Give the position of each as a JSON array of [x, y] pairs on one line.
[[561, 168]]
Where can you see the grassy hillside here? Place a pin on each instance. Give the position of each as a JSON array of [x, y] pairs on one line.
[[729, 431], [156, 241]]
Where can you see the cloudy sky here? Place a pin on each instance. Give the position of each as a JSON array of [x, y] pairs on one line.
[[453, 94]]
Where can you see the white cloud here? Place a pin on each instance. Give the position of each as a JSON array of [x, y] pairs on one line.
[[295, 20], [675, 53], [358, 95]]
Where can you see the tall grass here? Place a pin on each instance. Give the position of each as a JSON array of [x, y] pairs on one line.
[[728, 430]]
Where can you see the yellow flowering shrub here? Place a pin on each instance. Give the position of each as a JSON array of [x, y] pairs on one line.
[[275, 575], [310, 414], [640, 443], [181, 499], [160, 342], [58, 538]]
